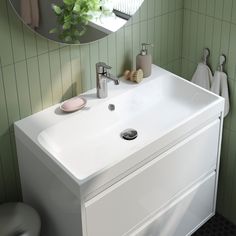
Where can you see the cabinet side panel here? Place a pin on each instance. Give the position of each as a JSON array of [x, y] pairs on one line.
[[58, 207]]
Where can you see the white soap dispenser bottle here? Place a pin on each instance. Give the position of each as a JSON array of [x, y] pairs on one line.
[[144, 60]]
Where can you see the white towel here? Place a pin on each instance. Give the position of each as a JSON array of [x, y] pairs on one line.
[[220, 87], [202, 76], [30, 12]]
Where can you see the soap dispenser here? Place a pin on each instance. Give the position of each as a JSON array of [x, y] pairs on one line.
[[144, 60]]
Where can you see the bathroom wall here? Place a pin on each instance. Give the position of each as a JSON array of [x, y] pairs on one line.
[[212, 24], [36, 73]]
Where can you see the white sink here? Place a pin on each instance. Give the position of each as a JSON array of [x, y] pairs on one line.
[[85, 144], [90, 141]]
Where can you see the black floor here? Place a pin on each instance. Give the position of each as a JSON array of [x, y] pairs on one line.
[[217, 226]]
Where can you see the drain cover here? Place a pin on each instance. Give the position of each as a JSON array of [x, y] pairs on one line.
[[129, 134], [111, 107]]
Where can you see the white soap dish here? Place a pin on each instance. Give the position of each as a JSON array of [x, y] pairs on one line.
[[73, 104]]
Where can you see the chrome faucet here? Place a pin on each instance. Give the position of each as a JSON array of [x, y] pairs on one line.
[[102, 76]]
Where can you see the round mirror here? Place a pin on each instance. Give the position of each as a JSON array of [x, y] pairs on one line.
[[75, 21]]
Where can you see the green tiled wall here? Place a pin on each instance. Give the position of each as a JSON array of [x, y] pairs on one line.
[[212, 24], [36, 73]]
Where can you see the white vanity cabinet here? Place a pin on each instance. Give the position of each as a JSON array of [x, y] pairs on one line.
[[170, 195], [163, 183]]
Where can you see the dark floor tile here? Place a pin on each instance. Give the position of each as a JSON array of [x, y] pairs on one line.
[[217, 226]]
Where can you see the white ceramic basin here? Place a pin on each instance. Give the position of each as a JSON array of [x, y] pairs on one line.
[[89, 142]]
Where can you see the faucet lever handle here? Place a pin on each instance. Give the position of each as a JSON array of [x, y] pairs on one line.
[[102, 66]]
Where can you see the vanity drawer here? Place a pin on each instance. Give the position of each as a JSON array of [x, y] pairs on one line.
[[185, 214], [125, 204]]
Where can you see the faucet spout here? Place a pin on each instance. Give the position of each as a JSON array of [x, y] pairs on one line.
[[113, 78]]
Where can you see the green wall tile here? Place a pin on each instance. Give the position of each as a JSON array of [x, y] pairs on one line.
[[179, 4], [56, 75], [136, 17], [17, 38], [202, 6], [233, 106], [187, 4], [229, 118], [2, 183], [5, 36], [144, 11], [193, 36], [230, 171], [41, 44], [128, 49], [34, 84], [85, 67], [164, 6], [143, 32], [216, 42], [8, 168], [171, 5], [151, 8], [18, 195], [53, 45], [76, 69], [158, 7], [171, 43], [136, 42], [225, 39], [4, 126], [102, 47], [45, 80], [23, 89], [120, 51], [209, 34], [164, 40], [195, 5], [232, 52], [201, 29], [151, 35], [227, 10], [223, 170], [10, 88], [186, 33], [219, 8], [157, 41], [29, 43], [210, 7], [234, 12], [112, 52], [66, 75], [178, 34], [94, 58]]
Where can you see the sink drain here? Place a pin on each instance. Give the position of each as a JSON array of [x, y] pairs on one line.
[[111, 107], [129, 134]]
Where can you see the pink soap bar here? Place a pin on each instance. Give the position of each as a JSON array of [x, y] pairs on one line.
[[73, 104]]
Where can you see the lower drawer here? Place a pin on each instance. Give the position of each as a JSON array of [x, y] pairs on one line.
[[185, 214], [128, 202]]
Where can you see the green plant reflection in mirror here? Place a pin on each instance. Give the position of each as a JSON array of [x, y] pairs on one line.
[[74, 15], [75, 21]]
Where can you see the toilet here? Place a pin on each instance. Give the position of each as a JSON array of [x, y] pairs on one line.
[[19, 219]]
